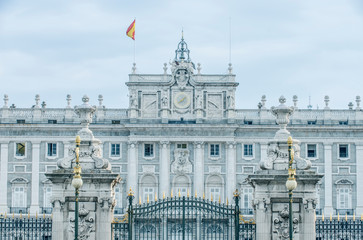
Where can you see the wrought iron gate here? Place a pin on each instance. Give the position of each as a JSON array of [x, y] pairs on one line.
[[184, 218]]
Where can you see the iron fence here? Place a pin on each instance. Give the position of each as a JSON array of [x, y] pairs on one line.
[[335, 229], [185, 218], [21, 228]]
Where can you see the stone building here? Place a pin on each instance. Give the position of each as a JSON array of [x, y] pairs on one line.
[[181, 132]]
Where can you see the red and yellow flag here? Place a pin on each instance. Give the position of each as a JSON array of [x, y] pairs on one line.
[[131, 30]]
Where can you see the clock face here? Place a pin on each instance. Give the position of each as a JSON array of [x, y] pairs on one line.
[[182, 100]]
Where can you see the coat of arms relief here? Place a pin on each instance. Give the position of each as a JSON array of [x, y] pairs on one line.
[[181, 163]]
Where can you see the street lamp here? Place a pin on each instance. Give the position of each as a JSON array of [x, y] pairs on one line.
[[77, 183], [291, 184]]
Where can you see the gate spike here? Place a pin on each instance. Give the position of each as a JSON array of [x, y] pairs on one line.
[[43, 215], [36, 215], [156, 199], [171, 193], [196, 194], [188, 195], [346, 217], [203, 196], [28, 215], [227, 200], [211, 197], [163, 195], [5, 215], [21, 215], [219, 200], [331, 217], [361, 217], [13, 215], [338, 217], [179, 195], [353, 216], [139, 200], [322, 216], [147, 200]]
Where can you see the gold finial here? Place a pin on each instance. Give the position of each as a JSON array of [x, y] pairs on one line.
[[331, 217], [156, 199], [236, 193], [322, 216], [289, 141], [353, 216], [78, 139], [196, 195], [179, 195], [346, 217], [28, 215], [203, 195], [43, 215], [21, 215], [188, 194], [219, 200], [171, 193], [131, 193], [338, 217], [139, 200], [227, 200], [211, 197], [147, 200], [163, 195]]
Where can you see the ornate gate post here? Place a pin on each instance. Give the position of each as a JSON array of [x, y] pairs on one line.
[[236, 198], [130, 197]]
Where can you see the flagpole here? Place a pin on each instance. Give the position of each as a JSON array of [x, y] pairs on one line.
[[135, 45], [230, 41]]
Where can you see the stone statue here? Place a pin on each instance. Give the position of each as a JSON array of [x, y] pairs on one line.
[[133, 100]]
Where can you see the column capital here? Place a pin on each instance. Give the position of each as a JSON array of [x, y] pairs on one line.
[[231, 144], [132, 144], [164, 144], [198, 144]]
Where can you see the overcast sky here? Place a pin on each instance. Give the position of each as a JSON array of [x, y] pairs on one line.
[[279, 47]]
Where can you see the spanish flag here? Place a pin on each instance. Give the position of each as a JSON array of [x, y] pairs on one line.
[[131, 30]]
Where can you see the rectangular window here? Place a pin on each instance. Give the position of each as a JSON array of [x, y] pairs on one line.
[[51, 121], [311, 151], [19, 197], [248, 150], [247, 198], [311, 122], [214, 150], [343, 151], [181, 146], [215, 193], [20, 149], [47, 197], [343, 198], [115, 150], [148, 150], [20, 121], [52, 150], [148, 192]]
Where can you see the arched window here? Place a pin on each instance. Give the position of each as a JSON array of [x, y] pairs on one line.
[[148, 187], [181, 183], [19, 195], [214, 184], [344, 196]]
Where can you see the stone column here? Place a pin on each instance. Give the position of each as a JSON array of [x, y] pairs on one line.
[[264, 148], [164, 168], [231, 169], [199, 168], [328, 205], [34, 206], [132, 171], [4, 158], [359, 162]]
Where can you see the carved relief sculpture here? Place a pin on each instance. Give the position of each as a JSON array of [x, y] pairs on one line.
[[181, 163]]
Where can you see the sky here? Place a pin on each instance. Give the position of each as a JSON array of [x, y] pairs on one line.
[[306, 48]]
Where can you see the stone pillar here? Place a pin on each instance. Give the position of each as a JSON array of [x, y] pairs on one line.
[[328, 181], [199, 168], [264, 148], [359, 162], [34, 206], [262, 216], [231, 169], [4, 158], [164, 168], [58, 225], [132, 171]]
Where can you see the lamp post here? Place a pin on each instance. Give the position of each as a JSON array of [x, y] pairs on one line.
[[77, 183], [291, 184]]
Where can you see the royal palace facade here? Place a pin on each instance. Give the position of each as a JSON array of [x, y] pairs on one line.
[[180, 134]]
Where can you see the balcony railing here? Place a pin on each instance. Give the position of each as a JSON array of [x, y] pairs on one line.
[[47, 210], [344, 211], [22, 210]]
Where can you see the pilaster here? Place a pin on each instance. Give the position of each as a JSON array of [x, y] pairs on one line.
[[132, 171], [199, 167], [359, 162], [164, 168], [34, 206], [231, 169], [4, 159], [328, 184]]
